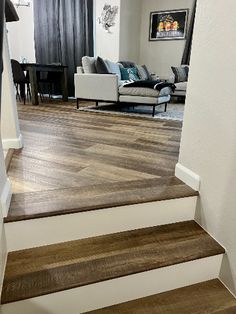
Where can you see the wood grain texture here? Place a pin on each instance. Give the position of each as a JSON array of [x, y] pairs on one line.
[[38, 271], [74, 161], [71, 200], [8, 158], [209, 297]]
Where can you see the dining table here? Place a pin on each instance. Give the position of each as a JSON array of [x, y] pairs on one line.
[[34, 68]]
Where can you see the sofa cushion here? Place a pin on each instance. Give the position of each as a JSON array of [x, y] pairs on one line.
[[181, 86], [142, 72], [113, 68], [138, 91], [147, 72], [101, 66], [127, 64], [88, 64], [181, 73], [129, 74]]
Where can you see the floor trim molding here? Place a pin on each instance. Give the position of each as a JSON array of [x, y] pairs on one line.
[[5, 198], [187, 176], [16, 143]]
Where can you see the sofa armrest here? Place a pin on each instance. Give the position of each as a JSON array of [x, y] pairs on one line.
[[96, 86]]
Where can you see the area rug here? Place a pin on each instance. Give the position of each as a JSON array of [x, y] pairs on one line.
[[175, 111]]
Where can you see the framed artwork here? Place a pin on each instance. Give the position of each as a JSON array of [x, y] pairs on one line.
[[168, 25]]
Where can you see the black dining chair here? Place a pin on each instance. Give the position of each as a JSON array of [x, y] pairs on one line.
[[20, 80], [51, 80]]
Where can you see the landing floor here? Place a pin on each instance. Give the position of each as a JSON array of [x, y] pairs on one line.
[[75, 161]]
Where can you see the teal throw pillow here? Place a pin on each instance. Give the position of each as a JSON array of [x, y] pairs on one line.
[[128, 74]]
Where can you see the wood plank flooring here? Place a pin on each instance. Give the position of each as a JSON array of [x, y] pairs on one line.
[[209, 297], [38, 271], [8, 158], [75, 161]]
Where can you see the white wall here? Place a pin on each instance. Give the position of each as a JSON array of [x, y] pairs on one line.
[[3, 250], [130, 26], [10, 131], [123, 41], [208, 145], [21, 35], [107, 44], [159, 56]]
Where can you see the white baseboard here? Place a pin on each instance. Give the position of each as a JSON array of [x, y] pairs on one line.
[[5, 198], [123, 289], [56, 229], [187, 176], [16, 143]]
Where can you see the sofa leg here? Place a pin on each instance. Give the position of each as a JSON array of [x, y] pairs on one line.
[[153, 110], [77, 101], [166, 106], [96, 103]]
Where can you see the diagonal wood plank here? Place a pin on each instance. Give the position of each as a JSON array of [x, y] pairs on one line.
[[74, 161]]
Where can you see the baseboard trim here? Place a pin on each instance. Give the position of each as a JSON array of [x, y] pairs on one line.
[[6, 198], [123, 289], [187, 176], [16, 143]]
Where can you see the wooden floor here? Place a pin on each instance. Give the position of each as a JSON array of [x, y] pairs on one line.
[[209, 297], [38, 271], [8, 157], [74, 161]]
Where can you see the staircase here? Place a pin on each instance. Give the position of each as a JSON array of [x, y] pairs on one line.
[[142, 258]]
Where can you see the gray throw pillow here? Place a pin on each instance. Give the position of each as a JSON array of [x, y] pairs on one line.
[[142, 73], [180, 73], [114, 68], [147, 72], [88, 64], [101, 66]]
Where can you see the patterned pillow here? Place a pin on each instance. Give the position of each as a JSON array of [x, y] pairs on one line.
[[181, 73], [142, 73], [129, 74]]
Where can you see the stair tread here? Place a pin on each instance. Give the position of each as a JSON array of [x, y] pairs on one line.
[[207, 297], [48, 203], [38, 271]]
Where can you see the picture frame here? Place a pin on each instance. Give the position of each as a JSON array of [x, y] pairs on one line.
[[168, 25]]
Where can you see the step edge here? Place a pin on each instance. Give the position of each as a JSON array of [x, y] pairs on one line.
[[133, 273], [196, 277], [93, 223], [91, 208]]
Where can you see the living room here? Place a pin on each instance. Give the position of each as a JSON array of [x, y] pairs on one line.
[[127, 39]]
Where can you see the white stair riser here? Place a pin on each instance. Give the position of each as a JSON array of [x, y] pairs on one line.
[[107, 293], [56, 229]]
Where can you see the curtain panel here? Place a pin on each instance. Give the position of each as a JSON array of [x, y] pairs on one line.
[[189, 39], [63, 31]]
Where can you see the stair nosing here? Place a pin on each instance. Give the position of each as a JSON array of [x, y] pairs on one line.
[[217, 249]]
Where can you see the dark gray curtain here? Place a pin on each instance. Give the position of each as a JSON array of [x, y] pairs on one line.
[[189, 39], [63, 33]]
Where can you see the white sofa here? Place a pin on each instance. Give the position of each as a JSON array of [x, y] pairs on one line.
[[108, 88], [181, 87]]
